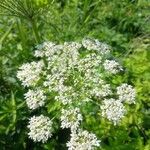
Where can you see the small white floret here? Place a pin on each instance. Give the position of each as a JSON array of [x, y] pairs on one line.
[[29, 73], [113, 110], [126, 93], [83, 140], [112, 66], [40, 128], [35, 98], [71, 118]]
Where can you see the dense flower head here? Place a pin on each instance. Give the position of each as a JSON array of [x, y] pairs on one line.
[[40, 128], [71, 118], [113, 110], [112, 66], [66, 94], [95, 44], [83, 140], [35, 98], [89, 62], [47, 49], [101, 91], [70, 66], [72, 45], [29, 73], [74, 74], [126, 93]]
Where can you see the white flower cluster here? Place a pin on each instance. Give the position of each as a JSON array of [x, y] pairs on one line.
[[89, 62], [35, 98], [47, 49], [71, 118], [74, 73], [112, 66], [66, 94], [102, 91], [126, 93], [29, 73], [95, 44], [40, 128], [113, 110], [83, 140]]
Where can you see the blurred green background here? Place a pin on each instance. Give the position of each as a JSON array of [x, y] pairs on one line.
[[125, 25]]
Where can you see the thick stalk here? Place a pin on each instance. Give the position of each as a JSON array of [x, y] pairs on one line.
[[35, 31]]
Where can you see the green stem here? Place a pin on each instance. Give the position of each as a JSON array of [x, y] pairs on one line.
[[2, 38], [35, 31], [22, 33]]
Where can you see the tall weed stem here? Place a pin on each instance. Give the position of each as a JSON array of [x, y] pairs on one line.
[[35, 30]]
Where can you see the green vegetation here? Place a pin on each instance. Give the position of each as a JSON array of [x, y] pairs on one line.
[[125, 25]]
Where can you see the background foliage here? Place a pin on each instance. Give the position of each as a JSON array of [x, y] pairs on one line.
[[125, 25]]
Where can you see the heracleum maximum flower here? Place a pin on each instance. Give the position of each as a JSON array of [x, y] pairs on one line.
[[45, 49], [101, 91], [35, 98], [74, 74], [112, 66], [113, 110], [40, 128], [71, 118], [83, 140], [94, 44], [126, 93], [29, 73], [66, 94]]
